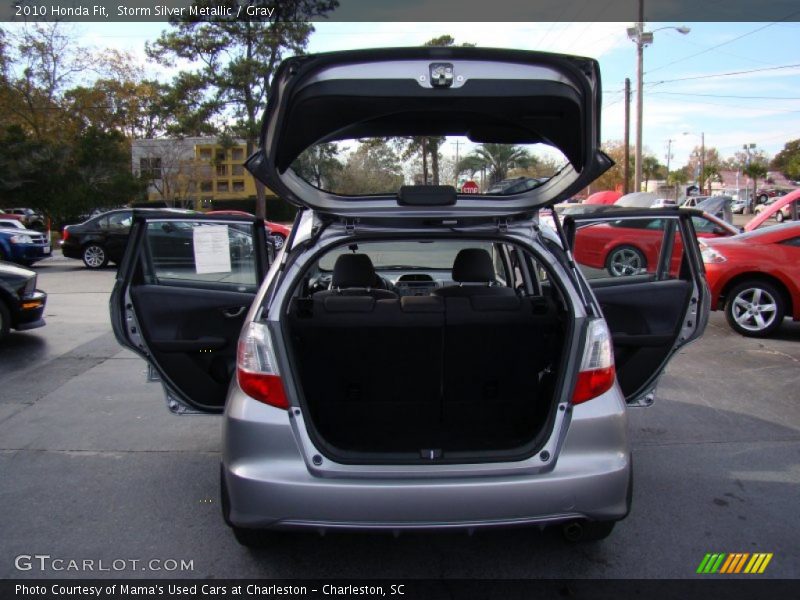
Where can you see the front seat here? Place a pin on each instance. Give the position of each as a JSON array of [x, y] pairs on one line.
[[474, 273], [354, 275]]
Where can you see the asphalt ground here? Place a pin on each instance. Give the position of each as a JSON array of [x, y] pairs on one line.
[[93, 467]]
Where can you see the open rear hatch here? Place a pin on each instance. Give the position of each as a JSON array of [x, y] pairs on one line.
[[485, 95]]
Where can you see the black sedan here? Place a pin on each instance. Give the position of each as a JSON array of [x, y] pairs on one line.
[[101, 239], [21, 304]]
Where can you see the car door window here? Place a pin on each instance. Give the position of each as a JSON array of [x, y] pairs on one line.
[[119, 222], [619, 248], [199, 254]]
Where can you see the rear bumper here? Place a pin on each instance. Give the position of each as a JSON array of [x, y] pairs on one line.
[[271, 486]]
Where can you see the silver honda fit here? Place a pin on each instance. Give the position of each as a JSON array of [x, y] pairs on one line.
[[417, 356]]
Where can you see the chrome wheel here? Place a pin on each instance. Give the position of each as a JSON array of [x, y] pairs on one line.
[[277, 241], [779, 216], [94, 256], [754, 309], [625, 260]]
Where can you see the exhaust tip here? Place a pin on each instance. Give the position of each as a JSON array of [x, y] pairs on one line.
[[573, 531]]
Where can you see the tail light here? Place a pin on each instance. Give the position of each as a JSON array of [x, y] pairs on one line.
[[597, 372], [256, 368], [65, 233]]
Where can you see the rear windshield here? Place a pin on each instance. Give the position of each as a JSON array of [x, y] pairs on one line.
[[379, 166], [424, 255]]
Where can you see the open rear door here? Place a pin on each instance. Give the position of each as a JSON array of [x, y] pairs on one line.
[[645, 270], [180, 299]]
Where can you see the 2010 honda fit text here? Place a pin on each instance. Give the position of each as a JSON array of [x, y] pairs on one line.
[[415, 357]]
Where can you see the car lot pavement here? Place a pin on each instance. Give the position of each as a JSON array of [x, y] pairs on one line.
[[93, 467]]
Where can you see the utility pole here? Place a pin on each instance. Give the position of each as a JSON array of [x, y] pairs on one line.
[[639, 98], [626, 169], [702, 162], [669, 157], [642, 38]]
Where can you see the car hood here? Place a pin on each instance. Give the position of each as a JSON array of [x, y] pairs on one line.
[[771, 209], [493, 96]]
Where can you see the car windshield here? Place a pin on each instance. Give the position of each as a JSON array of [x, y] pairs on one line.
[[377, 166], [423, 255]]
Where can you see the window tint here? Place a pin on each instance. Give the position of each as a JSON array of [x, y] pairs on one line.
[[220, 256], [120, 221]]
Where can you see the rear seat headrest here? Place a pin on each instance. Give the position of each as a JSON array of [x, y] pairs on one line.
[[473, 265], [353, 270]]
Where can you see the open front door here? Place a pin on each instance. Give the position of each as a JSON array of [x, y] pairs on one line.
[[180, 299], [645, 270]]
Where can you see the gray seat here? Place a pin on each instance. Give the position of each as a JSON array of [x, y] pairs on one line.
[[474, 273], [354, 275]]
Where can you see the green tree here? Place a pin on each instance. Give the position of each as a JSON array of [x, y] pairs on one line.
[[787, 161], [235, 62], [373, 167], [319, 165], [496, 160], [651, 168]]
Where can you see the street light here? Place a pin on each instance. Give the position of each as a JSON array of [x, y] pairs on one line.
[[642, 38]]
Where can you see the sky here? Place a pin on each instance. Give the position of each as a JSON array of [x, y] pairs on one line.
[[688, 88]]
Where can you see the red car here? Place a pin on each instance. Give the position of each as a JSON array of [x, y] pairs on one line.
[[755, 277], [629, 247], [277, 232]]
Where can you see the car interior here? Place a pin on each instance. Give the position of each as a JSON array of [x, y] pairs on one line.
[[423, 362]]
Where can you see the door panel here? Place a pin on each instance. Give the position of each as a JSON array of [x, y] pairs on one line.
[[649, 284], [182, 294], [193, 336], [644, 320]]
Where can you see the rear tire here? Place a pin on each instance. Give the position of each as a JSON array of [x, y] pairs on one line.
[[779, 216], [625, 260], [94, 256], [5, 320], [278, 239], [755, 308]]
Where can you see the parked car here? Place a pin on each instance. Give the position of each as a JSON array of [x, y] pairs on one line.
[[102, 239], [772, 209], [23, 246], [419, 358], [29, 217], [755, 278], [21, 304], [11, 216], [638, 200], [764, 194], [11, 224], [632, 246], [277, 232], [781, 214], [515, 185]]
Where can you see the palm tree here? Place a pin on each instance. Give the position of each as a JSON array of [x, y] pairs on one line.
[[650, 169], [497, 159]]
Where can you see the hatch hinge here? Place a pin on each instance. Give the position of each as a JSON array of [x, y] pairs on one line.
[[502, 225]]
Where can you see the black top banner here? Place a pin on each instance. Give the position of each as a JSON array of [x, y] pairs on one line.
[[402, 10]]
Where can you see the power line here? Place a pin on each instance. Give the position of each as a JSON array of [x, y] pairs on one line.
[[712, 75], [731, 96], [709, 49], [761, 108]]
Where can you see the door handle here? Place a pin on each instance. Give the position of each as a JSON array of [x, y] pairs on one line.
[[232, 313]]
